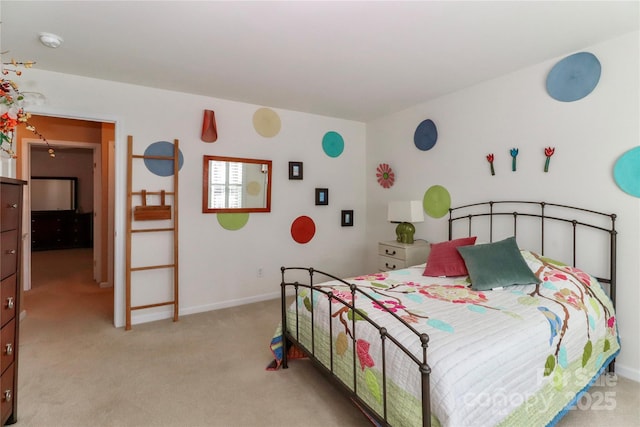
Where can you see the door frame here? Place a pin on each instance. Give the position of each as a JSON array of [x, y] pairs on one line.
[[117, 201]]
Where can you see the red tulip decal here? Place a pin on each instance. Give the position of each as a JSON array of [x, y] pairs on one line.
[[385, 175], [548, 152], [490, 160]]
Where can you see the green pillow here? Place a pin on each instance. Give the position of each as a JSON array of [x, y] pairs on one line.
[[494, 265]]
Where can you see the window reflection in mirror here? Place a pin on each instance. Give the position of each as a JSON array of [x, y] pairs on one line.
[[232, 184]]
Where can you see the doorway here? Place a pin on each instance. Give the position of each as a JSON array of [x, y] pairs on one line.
[[84, 151]]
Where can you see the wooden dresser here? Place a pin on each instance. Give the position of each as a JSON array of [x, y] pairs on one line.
[[10, 265], [61, 230]]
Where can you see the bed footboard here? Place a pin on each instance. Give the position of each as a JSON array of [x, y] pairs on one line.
[[291, 337]]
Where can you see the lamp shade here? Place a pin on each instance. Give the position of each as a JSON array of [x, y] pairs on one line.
[[406, 211]]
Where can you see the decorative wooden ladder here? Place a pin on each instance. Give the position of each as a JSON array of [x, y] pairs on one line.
[[147, 212]]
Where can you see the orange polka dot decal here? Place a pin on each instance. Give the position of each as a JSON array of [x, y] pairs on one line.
[[303, 229]]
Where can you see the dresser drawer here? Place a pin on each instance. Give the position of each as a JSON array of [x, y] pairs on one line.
[[7, 393], [8, 299], [8, 253], [386, 263], [385, 250], [10, 206], [7, 345]]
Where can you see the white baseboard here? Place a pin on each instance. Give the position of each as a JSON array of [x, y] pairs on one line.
[[105, 285], [629, 373], [168, 314]]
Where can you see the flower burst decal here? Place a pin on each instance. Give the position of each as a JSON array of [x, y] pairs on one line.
[[385, 175]]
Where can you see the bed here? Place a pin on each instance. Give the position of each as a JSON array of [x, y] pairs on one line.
[[516, 338]]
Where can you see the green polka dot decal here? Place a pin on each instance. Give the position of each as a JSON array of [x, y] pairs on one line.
[[233, 221], [436, 201], [332, 144]]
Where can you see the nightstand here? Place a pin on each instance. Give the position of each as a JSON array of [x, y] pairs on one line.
[[393, 255]]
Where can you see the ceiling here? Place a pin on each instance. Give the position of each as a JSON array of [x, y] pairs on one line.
[[353, 60]]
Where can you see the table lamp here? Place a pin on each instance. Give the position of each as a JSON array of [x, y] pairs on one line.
[[405, 213]]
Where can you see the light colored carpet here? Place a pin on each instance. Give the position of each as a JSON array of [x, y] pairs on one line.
[[208, 369]]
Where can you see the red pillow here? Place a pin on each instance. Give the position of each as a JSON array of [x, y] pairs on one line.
[[445, 260]]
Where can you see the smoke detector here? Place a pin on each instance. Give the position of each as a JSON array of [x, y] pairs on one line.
[[50, 40]]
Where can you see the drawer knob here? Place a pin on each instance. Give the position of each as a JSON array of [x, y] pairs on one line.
[[392, 267], [8, 349], [7, 395], [12, 205], [10, 251], [388, 252], [10, 303]]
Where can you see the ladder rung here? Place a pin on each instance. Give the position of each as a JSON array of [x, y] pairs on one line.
[[152, 267], [148, 230], [142, 156], [153, 193], [159, 304]]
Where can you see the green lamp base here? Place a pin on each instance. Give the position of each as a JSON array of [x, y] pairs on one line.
[[405, 232]]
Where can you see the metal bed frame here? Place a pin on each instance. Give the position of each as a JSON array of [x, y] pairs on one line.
[[492, 210]]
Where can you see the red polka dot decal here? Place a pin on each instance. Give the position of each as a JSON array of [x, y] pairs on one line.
[[303, 229]]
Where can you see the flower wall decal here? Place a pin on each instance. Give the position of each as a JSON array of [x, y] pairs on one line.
[[490, 158], [514, 154], [385, 175], [548, 152]]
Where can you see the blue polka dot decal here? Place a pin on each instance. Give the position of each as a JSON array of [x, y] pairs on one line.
[[332, 144], [426, 135], [161, 167], [574, 77]]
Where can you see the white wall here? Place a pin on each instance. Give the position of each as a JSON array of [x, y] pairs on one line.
[[218, 268], [515, 111]]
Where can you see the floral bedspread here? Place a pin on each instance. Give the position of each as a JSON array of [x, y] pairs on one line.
[[521, 355]]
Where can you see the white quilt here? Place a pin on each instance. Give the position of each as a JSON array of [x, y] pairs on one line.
[[516, 356]]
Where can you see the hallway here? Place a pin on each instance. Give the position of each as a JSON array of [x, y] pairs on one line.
[[63, 293]]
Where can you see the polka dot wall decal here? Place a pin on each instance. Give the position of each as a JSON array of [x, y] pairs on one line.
[[574, 77], [254, 188], [626, 172], [303, 229], [332, 144], [266, 122], [233, 221], [158, 166], [426, 135], [436, 201]]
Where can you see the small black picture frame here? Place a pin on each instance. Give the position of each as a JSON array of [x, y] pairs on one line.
[[347, 218], [295, 170], [322, 196]]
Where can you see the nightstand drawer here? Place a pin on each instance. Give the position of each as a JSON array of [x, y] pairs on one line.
[[386, 263], [386, 250], [393, 255]]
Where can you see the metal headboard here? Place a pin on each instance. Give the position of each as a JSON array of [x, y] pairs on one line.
[[562, 213]]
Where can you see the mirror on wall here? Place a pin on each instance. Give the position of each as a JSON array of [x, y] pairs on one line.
[[234, 185]]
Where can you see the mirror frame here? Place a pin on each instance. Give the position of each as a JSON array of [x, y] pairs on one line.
[[205, 185]]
